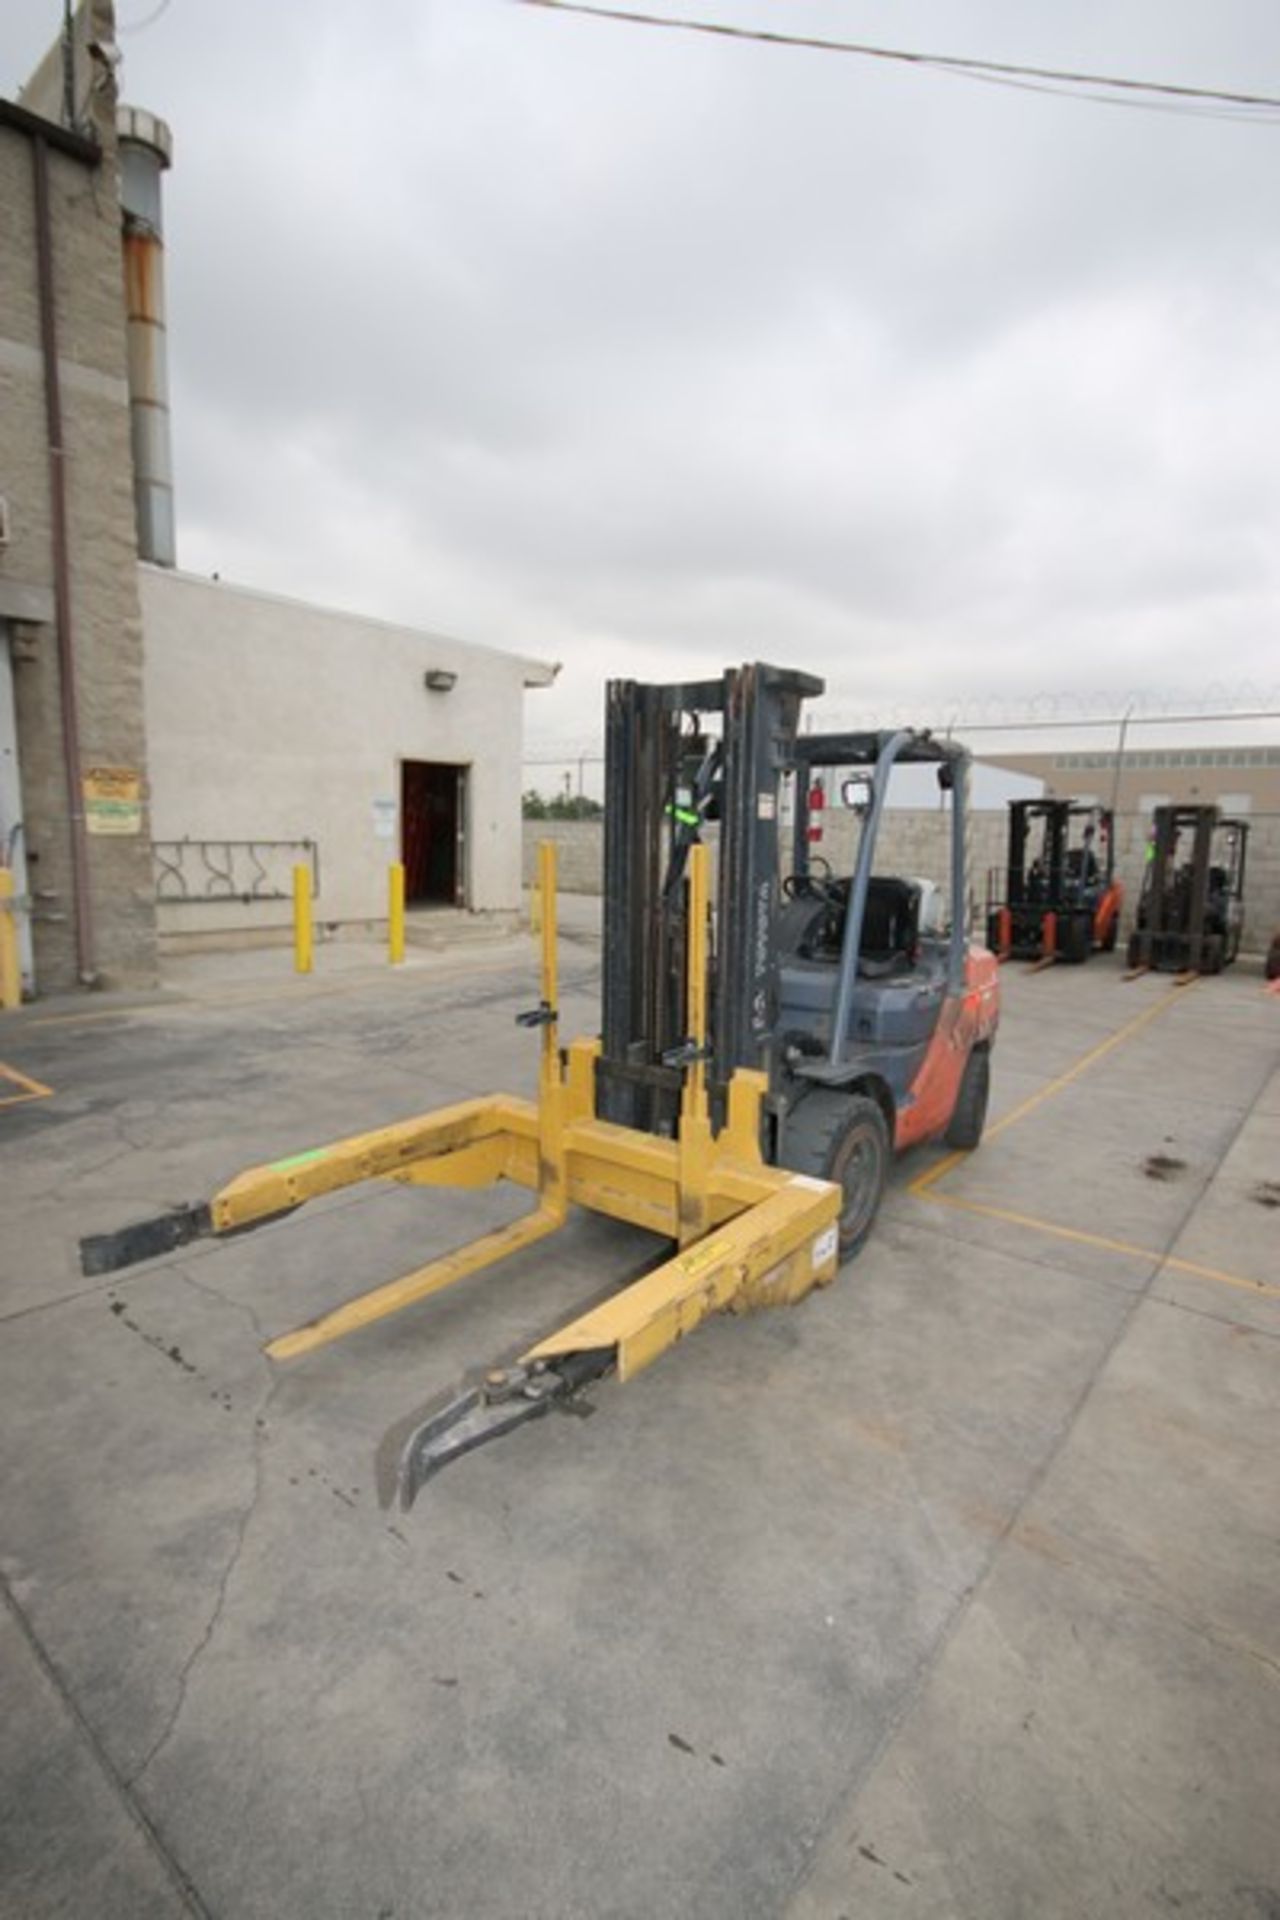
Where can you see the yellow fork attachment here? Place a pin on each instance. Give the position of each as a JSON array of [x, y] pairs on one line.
[[748, 1234]]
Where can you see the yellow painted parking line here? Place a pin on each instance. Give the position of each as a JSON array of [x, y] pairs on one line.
[[82, 1019], [167, 1009], [249, 996], [31, 1089], [933, 1174], [1107, 1245], [923, 1188]]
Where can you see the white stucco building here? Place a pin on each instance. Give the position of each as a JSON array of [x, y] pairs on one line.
[[284, 733]]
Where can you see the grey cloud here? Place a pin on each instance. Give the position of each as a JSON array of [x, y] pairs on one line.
[[630, 348]]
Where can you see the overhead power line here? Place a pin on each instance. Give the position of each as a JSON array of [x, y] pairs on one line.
[[1160, 95], [147, 20]]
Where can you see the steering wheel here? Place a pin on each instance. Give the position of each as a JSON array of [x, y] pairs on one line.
[[799, 886]]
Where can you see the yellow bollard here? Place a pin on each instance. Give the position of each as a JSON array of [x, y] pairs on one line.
[[395, 912], [10, 970], [302, 919]]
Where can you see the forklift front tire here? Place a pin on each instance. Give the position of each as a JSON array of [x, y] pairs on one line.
[[1078, 943], [843, 1137], [1214, 950], [969, 1115]]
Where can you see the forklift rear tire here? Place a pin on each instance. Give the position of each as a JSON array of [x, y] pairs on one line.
[[1078, 943], [969, 1115], [843, 1137]]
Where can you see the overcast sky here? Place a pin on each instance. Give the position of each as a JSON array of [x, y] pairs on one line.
[[648, 353]]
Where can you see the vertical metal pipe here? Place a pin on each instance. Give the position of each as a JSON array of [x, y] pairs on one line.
[[10, 970], [302, 936], [146, 150], [550, 1077], [1115, 780], [13, 832], [695, 1086], [395, 912], [847, 980], [68, 65], [85, 965]]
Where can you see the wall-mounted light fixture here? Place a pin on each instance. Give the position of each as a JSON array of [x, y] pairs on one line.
[[439, 680]]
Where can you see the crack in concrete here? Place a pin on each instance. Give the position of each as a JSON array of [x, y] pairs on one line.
[[258, 1443], [236, 1306], [118, 1152]]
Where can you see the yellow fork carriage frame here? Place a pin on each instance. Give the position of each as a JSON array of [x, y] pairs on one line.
[[748, 1235]]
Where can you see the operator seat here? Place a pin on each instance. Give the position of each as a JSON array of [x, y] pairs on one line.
[[890, 927]]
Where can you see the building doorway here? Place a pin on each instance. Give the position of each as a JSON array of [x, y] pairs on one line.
[[433, 798]]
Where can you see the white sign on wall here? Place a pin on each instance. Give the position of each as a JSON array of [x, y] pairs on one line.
[[384, 819]]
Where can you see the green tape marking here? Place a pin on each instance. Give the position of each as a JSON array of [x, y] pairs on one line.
[[297, 1160]]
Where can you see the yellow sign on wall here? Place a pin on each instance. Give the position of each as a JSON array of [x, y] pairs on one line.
[[113, 800]]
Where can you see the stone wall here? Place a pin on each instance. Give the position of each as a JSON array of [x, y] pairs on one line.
[[105, 618], [915, 841]]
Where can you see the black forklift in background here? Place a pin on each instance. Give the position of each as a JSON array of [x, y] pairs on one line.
[[1190, 914], [1057, 897]]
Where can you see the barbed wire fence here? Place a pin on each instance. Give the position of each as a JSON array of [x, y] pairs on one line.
[[1221, 704]]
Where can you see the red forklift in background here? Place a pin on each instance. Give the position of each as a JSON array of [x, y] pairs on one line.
[[1057, 897]]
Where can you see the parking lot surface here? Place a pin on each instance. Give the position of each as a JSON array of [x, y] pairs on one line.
[[951, 1592]]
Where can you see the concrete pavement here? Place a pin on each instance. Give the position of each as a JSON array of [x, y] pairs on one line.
[[951, 1592]]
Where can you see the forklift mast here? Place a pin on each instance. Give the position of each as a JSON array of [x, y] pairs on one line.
[[1191, 910], [665, 776], [1055, 900], [1057, 876]]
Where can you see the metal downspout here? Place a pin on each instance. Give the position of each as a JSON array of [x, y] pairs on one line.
[[85, 965], [858, 897]]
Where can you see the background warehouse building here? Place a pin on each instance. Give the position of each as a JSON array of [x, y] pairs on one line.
[[283, 733], [169, 746], [1241, 780]]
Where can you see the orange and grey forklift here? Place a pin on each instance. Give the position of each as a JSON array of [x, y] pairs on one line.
[[1190, 914], [1058, 897], [760, 1057]]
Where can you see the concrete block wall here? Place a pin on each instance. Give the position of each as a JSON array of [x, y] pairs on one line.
[[273, 720], [106, 622], [579, 848], [915, 841]]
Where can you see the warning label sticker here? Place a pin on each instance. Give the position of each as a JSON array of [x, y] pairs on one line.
[[824, 1247]]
